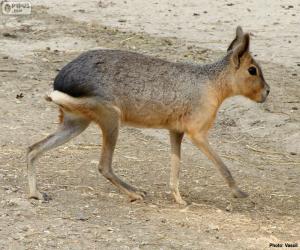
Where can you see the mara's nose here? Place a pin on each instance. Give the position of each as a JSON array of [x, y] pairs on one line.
[[268, 91]]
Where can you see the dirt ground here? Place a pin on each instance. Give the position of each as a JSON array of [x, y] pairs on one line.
[[259, 142]]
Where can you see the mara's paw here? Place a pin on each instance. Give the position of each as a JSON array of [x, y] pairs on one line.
[[181, 202], [179, 199], [239, 194], [40, 196], [137, 195]]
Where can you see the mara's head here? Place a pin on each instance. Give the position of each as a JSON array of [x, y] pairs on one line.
[[246, 77]]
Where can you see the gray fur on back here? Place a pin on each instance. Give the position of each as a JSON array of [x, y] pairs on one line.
[[133, 81]]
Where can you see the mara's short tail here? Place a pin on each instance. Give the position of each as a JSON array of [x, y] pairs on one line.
[[62, 99], [90, 108], [76, 105], [69, 102]]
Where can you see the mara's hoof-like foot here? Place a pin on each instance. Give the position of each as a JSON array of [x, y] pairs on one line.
[[237, 193], [179, 199], [40, 196], [136, 195]]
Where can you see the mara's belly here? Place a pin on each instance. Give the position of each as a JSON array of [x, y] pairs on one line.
[[153, 116]]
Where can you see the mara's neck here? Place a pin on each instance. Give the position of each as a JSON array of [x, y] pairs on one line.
[[219, 84], [213, 70]]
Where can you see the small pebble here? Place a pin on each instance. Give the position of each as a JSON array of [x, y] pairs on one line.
[[212, 227], [25, 228], [229, 208], [82, 217], [6, 34]]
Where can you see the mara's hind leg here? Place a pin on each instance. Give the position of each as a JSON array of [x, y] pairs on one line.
[[110, 130], [71, 126]]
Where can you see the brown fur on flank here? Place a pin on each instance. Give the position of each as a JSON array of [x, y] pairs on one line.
[[60, 110], [61, 116], [114, 88]]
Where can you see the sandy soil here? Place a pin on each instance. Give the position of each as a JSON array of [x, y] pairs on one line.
[[273, 23], [260, 143]]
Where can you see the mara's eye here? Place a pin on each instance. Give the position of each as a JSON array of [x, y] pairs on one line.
[[252, 71]]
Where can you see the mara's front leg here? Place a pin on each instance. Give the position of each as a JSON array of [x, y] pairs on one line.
[[200, 140], [175, 139]]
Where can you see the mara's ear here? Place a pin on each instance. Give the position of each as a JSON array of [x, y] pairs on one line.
[[240, 50], [237, 39]]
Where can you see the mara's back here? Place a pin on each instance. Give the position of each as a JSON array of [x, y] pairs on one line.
[[110, 70], [141, 86]]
